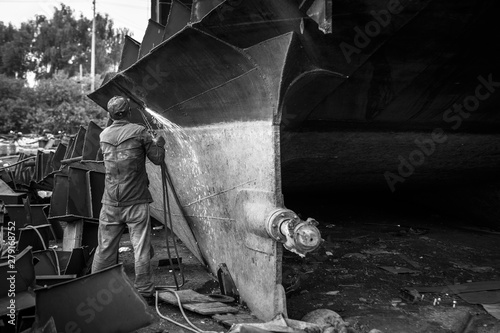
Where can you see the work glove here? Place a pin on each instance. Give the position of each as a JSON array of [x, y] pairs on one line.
[[159, 141]]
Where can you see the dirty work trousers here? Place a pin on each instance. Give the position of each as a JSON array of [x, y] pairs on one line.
[[112, 222]]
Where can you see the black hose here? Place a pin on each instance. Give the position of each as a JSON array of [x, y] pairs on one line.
[[166, 207]]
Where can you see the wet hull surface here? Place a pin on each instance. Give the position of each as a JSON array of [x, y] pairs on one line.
[[268, 103]]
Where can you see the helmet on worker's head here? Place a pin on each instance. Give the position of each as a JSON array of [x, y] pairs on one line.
[[118, 107]]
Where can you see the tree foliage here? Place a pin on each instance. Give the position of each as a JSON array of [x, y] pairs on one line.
[[59, 44], [55, 49], [14, 108], [55, 104]]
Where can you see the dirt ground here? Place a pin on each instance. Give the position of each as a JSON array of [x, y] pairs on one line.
[[345, 274]]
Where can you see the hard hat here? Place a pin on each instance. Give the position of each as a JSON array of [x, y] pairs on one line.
[[118, 106]]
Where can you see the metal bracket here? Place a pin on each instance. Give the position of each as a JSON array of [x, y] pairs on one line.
[[226, 283], [297, 236]]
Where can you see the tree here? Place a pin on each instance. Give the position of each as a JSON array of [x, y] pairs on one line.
[[55, 104], [60, 104], [14, 108], [61, 43], [11, 53]]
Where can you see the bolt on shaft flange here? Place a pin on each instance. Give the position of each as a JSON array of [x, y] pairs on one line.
[[297, 236]]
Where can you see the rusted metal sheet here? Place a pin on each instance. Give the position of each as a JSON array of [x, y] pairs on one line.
[[321, 12], [58, 156], [51, 262], [249, 22], [130, 53], [69, 149], [91, 147], [5, 188], [78, 143], [178, 18], [37, 237], [99, 302], [200, 8], [23, 264], [59, 198], [96, 190], [49, 280], [152, 38], [78, 198], [198, 303], [47, 262], [23, 268], [89, 234], [12, 198], [39, 166], [78, 261], [27, 214]]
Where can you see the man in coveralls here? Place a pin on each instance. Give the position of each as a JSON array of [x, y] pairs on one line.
[[126, 197]]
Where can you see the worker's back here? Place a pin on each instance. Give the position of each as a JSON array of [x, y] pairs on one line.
[[124, 146]]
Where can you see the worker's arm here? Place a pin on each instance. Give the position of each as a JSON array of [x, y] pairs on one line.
[[155, 150]]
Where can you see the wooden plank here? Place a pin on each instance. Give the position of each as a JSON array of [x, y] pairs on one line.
[[239, 318], [196, 302], [210, 308], [187, 296]]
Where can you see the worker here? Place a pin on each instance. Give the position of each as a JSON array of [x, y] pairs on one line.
[[126, 197]]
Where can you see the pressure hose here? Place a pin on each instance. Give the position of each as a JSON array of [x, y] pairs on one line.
[[166, 208], [167, 212], [166, 181]]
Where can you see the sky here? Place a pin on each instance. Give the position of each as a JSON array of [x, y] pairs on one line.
[[133, 15]]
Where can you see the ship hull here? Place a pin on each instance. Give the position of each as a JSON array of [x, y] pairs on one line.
[[394, 98]]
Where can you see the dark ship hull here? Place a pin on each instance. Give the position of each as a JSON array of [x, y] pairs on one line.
[[274, 97]]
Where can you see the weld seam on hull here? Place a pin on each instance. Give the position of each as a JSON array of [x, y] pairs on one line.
[[219, 193], [209, 90], [212, 218], [263, 22], [200, 216]]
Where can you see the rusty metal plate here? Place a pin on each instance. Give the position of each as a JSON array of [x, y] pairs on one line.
[[23, 267], [69, 148], [91, 142], [78, 143], [59, 197], [152, 38], [103, 302], [24, 279], [78, 197], [58, 156], [178, 17], [130, 53], [96, 181]]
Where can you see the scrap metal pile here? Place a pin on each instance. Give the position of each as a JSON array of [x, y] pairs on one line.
[[49, 206]]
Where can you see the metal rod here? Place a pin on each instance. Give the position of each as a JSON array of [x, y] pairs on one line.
[[71, 160], [18, 162], [92, 57]]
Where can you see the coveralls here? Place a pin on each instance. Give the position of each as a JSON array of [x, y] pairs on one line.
[[126, 198]]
